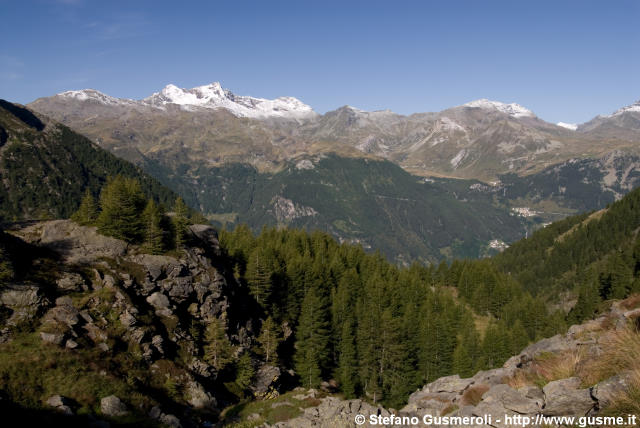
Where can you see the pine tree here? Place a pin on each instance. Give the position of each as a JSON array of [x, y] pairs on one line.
[[259, 274], [347, 360], [244, 371], [588, 299], [180, 221], [121, 203], [312, 339], [462, 362], [218, 350], [394, 364], [621, 277], [87, 212], [269, 340], [153, 233], [519, 338]]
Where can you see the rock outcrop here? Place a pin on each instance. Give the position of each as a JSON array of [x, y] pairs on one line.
[[112, 406], [106, 295]]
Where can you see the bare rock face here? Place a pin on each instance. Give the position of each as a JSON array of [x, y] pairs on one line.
[[555, 344], [76, 244], [65, 314], [207, 235], [112, 406], [198, 398], [265, 383], [333, 412], [25, 300], [53, 338], [606, 391], [511, 399], [161, 303], [71, 281], [60, 404], [563, 397]]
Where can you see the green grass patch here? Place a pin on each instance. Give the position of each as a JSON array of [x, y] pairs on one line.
[[279, 409]]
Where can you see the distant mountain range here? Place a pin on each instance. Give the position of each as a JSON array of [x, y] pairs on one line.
[[481, 139], [244, 159]]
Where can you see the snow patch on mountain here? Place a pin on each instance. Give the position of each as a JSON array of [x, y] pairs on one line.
[[447, 124], [571, 126], [513, 109], [635, 107], [458, 158], [210, 96], [214, 96], [96, 96]]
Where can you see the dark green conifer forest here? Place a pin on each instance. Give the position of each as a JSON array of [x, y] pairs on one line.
[[382, 331]]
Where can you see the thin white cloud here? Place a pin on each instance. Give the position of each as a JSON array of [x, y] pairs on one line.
[[8, 75]]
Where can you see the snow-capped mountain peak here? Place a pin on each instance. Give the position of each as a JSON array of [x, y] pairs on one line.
[[214, 96], [209, 96], [635, 107], [513, 109], [92, 95], [571, 126]]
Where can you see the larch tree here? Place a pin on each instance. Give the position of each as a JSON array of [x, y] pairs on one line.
[[312, 339], [269, 340], [218, 350], [122, 203], [153, 232], [88, 211], [180, 222]]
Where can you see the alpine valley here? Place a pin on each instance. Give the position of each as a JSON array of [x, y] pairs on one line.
[[462, 182]]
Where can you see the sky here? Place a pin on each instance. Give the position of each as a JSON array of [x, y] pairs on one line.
[[564, 60]]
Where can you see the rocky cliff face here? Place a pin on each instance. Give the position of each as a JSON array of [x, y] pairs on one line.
[[562, 376], [138, 316]]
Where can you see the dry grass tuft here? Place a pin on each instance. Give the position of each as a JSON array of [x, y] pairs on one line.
[[547, 368], [620, 352], [473, 395], [631, 302], [449, 409], [520, 379], [558, 366]]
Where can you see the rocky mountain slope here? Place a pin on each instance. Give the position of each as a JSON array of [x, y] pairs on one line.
[[117, 331], [590, 372], [623, 124]]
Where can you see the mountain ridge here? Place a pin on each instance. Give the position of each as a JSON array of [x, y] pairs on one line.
[[477, 140]]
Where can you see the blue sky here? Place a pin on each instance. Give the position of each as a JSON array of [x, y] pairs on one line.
[[565, 60]]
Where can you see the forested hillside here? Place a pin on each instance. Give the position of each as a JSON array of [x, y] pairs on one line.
[[45, 168], [380, 330], [596, 255]]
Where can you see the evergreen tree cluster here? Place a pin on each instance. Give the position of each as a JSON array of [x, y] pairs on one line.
[[379, 330], [124, 212]]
